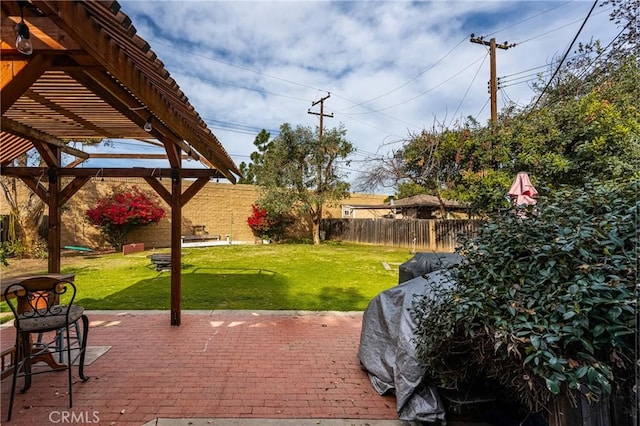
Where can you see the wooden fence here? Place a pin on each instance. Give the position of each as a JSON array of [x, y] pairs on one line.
[[418, 234]]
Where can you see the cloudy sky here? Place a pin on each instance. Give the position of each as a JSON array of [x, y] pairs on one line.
[[391, 67]]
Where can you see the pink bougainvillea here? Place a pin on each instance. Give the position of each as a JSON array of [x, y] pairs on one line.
[[259, 220], [125, 209], [262, 224]]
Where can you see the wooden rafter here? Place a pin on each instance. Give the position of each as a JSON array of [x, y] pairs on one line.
[[17, 76]]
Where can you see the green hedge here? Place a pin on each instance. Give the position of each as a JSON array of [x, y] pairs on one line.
[[545, 301]]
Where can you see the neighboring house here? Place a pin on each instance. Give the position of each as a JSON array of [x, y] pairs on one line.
[[366, 211], [416, 207]]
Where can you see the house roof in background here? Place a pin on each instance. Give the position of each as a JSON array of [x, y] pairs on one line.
[[90, 77], [416, 201], [424, 200]]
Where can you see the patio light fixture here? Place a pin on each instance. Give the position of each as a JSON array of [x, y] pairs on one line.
[[23, 40], [147, 126]]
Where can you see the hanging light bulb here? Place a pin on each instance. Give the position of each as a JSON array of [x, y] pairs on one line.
[[147, 126], [23, 40]]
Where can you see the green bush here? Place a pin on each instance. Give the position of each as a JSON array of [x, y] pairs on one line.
[[17, 249], [14, 248], [4, 254], [544, 302], [41, 249]]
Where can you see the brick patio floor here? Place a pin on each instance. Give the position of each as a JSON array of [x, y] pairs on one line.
[[220, 364]]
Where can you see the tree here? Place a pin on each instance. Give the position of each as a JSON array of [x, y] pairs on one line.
[[300, 173], [248, 170], [122, 211], [429, 162], [26, 210], [25, 215]]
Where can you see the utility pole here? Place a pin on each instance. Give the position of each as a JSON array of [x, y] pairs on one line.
[[320, 189], [321, 113], [493, 81]]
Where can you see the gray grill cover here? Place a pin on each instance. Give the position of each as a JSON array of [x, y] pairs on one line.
[[423, 263], [387, 350]]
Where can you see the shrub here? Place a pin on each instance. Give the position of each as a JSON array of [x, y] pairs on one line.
[[543, 302], [265, 225], [123, 210], [5, 252], [14, 248]]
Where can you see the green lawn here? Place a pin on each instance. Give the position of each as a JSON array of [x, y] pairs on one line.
[[332, 276]]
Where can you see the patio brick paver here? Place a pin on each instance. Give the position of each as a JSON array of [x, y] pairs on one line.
[[219, 364]]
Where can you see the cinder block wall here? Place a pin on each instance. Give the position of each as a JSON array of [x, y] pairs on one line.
[[221, 207]]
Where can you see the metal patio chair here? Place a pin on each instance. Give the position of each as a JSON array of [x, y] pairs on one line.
[[41, 305]]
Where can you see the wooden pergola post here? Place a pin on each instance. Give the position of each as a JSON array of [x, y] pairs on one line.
[[54, 238], [176, 247]]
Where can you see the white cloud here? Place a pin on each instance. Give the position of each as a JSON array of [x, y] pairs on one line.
[[291, 53]]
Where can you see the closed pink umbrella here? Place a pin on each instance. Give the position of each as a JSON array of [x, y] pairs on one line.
[[522, 191]]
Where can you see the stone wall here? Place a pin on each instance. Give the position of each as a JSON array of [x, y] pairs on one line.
[[222, 208]]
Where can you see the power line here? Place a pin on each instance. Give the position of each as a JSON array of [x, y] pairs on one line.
[[411, 80], [528, 19], [226, 83], [504, 86], [259, 73], [585, 70], [448, 53], [527, 70], [232, 127], [257, 90], [560, 27], [183, 50], [467, 91], [481, 58], [349, 117], [482, 109], [236, 126], [522, 79], [565, 56]]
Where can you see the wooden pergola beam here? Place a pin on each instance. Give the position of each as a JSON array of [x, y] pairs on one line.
[[193, 189], [47, 152], [99, 172], [36, 186], [71, 188], [160, 189], [139, 156], [34, 134]]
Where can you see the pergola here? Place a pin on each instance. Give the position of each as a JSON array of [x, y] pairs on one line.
[[90, 77]]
